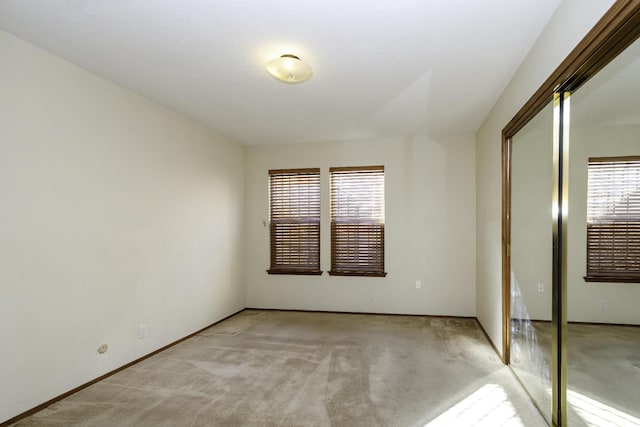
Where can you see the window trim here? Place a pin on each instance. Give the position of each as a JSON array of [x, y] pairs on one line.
[[274, 269], [601, 275], [334, 271]]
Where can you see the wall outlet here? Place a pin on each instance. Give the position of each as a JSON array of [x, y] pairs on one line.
[[540, 287], [603, 304], [418, 284], [142, 331], [372, 296]]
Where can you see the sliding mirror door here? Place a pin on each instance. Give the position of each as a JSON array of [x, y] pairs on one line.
[[603, 265], [531, 257], [585, 372]]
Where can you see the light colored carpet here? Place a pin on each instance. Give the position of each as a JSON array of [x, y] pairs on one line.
[[277, 368]]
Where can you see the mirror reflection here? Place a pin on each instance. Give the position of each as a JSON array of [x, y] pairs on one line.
[[603, 344], [531, 257]]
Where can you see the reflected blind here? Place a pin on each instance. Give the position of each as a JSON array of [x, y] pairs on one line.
[[294, 221], [613, 219], [357, 221]]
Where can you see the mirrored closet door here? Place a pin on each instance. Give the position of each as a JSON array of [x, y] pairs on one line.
[[531, 256], [603, 262], [571, 232]]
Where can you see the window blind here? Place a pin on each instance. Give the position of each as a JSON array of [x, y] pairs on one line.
[[613, 219], [357, 221], [294, 221]]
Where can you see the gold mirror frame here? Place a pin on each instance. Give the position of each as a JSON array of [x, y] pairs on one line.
[[613, 33]]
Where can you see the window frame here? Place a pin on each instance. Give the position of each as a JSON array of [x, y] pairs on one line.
[[277, 217], [339, 268], [631, 227]]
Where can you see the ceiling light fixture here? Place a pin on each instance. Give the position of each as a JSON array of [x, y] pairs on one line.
[[289, 69]]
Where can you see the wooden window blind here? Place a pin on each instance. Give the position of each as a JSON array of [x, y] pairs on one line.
[[294, 221], [357, 221], [613, 219]]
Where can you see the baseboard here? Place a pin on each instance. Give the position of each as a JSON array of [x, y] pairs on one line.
[[530, 320], [579, 322], [626, 325], [360, 312], [107, 375]]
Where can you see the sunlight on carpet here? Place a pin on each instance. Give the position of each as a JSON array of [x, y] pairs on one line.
[[487, 406], [597, 414]]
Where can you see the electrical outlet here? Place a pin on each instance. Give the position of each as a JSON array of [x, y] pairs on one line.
[[540, 287], [142, 331], [603, 304], [372, 296], [418, 284]]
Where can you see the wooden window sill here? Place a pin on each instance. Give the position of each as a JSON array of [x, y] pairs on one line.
[[359, 273], [297, 272], [613, 279]]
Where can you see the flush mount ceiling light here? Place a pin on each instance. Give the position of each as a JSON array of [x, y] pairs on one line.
[[289, 69]]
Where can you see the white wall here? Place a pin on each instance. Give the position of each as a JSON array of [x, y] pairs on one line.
[[621, 299], [115, 212], [429, 230], [572, 20]]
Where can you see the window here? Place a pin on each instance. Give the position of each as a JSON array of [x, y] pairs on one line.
[[294, 221], [613, 220], [357, 221]]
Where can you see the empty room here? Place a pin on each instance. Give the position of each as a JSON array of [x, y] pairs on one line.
[[346, 213]]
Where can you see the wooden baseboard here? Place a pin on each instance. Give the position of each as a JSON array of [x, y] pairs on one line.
[[626, 325], [107, 375], [360, 312], [578, 322]]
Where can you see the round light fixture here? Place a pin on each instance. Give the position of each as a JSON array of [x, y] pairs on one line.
[[289, 69]]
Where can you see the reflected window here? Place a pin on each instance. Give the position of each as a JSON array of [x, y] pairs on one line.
[[613, 219]]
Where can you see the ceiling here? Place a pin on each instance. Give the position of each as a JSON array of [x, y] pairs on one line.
[[382, 68]]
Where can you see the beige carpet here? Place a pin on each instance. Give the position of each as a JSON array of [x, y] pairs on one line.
[[276, 368]]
